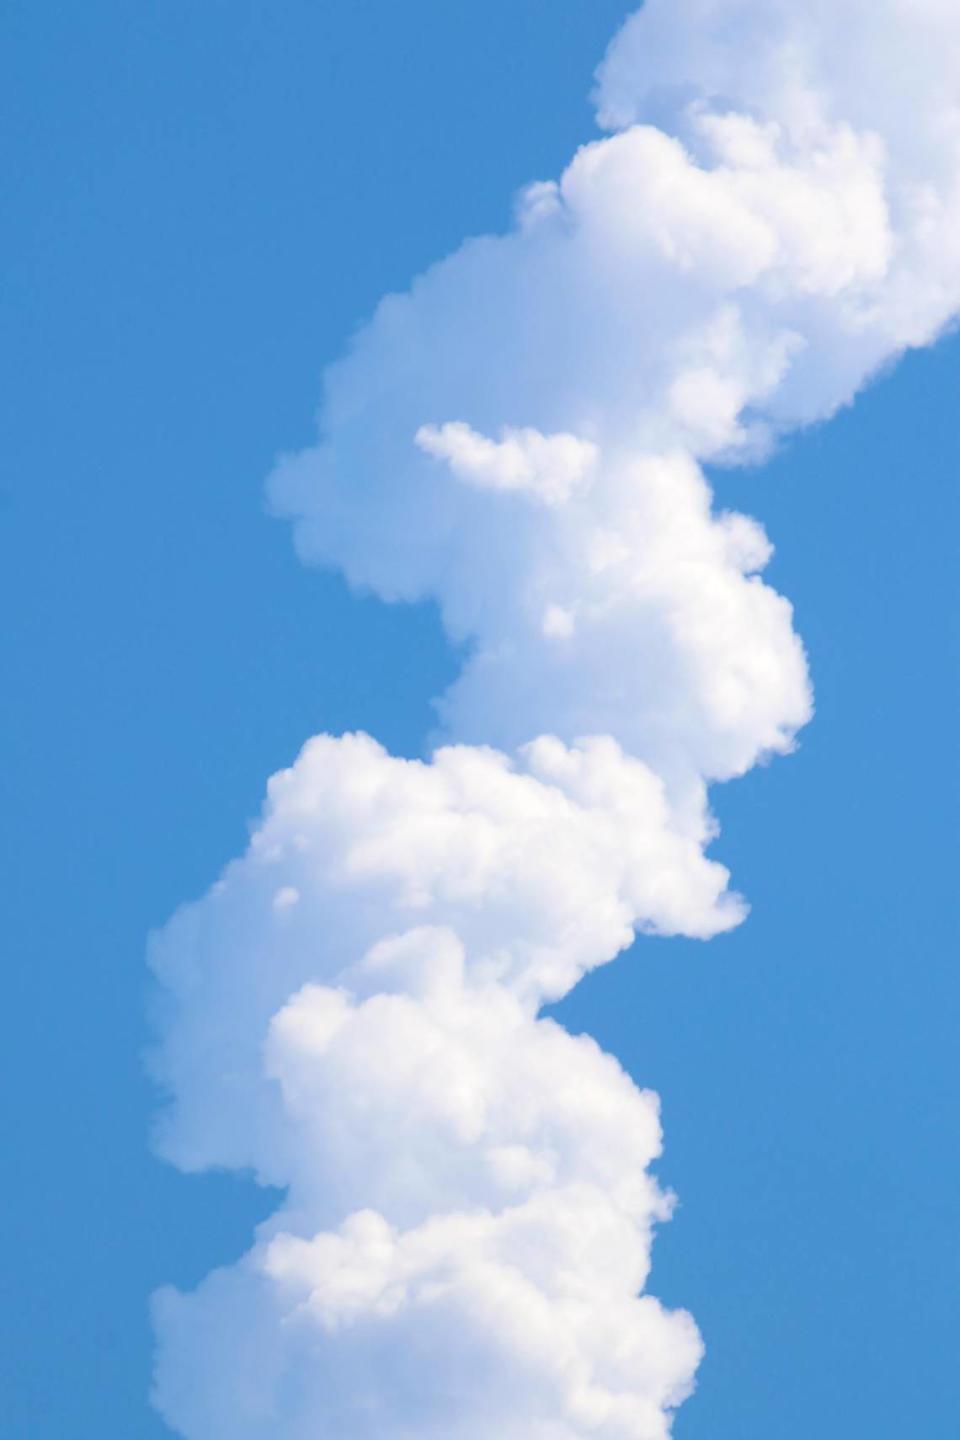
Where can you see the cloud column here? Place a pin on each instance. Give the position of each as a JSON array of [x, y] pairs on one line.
[[354, 1009]]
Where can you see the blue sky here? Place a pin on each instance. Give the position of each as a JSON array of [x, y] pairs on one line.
[[204, 202]]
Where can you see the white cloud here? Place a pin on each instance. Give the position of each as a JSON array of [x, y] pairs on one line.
[[524, 1325], [352, 1011], [353, 1015], [541, 869], [681, 295], [548, 467]]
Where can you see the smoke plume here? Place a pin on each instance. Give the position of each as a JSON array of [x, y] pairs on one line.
[[353, 1010]]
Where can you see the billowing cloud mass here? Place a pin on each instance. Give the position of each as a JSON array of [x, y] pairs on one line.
[[353, 1011]]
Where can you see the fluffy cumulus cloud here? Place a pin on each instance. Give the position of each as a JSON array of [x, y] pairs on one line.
[[353, 1012], [469, 1209], [523, 1324]]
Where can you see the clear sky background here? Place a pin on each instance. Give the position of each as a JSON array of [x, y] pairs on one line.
[[202, 201]]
